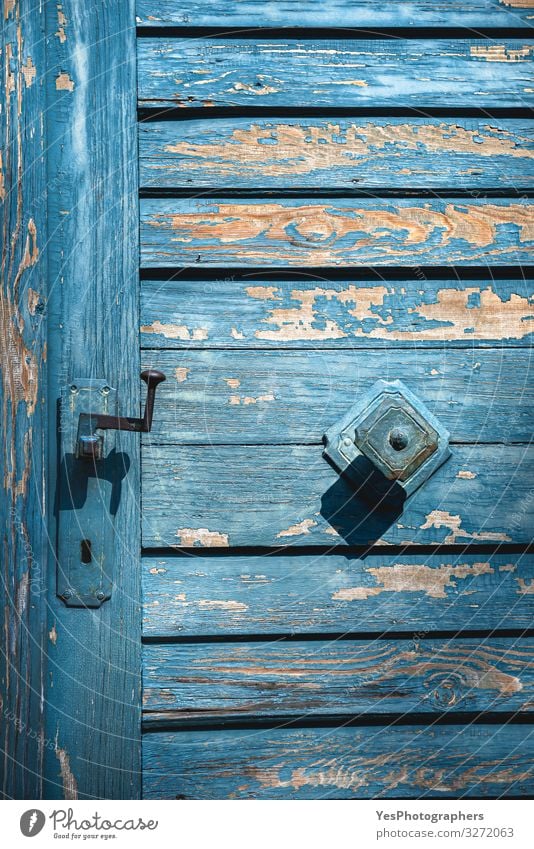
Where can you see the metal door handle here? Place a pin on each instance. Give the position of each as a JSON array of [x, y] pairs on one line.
[[89, 444]]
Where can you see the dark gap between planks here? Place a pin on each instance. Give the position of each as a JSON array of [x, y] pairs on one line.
[[333, 33], [379, 345], [154, 441], [338, 720], [312, 193], [170, 113], [345, 636], [344, 550], [380, 273]]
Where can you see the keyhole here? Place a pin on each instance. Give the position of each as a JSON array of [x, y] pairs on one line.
[[398, 439], [85, 551]]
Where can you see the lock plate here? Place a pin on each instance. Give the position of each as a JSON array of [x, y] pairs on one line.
[[84, 507], [391, 429]]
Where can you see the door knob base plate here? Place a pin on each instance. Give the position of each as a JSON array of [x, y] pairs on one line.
[[388, 439]]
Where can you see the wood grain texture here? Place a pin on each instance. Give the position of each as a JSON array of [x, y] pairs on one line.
[[340, 763], [289, 495], [336, 13], [308, 311], [379, 73], [364, 677], [339, 153], [218, 470], [23, 289], [262, 397], [186, 596], [94, 686], [282, 233]]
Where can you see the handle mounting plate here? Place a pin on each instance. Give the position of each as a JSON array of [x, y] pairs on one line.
[[87, 489]]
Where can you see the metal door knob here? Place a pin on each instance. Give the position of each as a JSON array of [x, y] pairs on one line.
[[389, 435]]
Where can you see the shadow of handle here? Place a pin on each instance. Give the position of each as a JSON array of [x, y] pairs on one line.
[[74, 477]]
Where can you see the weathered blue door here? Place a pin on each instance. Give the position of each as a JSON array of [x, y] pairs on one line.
[[320, 210], [277, 213]]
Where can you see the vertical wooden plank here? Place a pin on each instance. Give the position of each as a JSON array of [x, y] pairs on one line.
[[94, 666], [22, 396]]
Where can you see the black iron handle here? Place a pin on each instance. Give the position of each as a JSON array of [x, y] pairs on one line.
[[89, 443], [152, 378]]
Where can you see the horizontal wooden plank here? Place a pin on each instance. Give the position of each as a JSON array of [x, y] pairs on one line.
[[408, 232], [262, 397], [340, 153], [328, 593], [289, 495], [309, 311], [396, 762], [337, 677], [335, 13], [290, 72]]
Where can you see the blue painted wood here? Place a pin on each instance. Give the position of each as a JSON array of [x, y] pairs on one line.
[[340, 153], [381, 232], [309, 311], [23, 494], [94, 656], [318, 678], [288, 495], [261, 397], [335, 13], [227, 490], [91, 739], [185, 596], [396, 762], [305, 73]]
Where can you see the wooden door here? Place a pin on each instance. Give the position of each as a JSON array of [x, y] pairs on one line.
[[320, 210], [277, 213]]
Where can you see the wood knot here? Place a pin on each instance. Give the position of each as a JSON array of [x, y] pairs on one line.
[[446, 692]]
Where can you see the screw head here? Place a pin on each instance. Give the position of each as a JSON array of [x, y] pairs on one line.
[[398, 439], [74, 389], [100, 596], [105, 390], [347, 441], [66, 594]]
